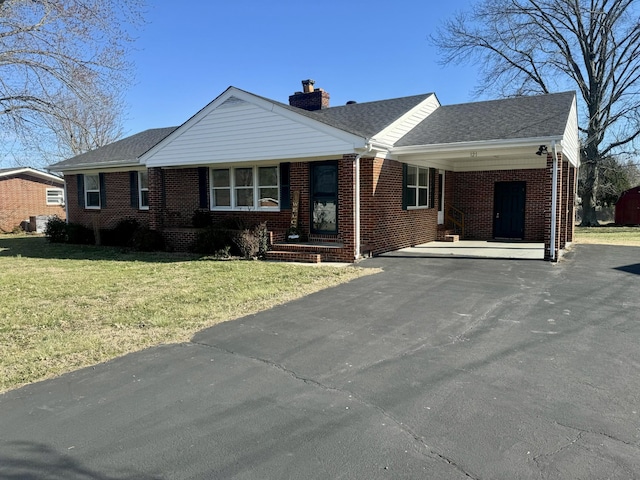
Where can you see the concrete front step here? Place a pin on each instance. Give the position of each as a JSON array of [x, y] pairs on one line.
[[447, 235]]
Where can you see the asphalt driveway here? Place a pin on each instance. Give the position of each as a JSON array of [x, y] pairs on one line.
[[439, 368]]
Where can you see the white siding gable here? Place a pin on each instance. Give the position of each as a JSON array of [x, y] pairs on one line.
[[407, 122], [241, 127], [570, 139]]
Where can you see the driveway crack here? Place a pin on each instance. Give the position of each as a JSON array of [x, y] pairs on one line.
[[602, 434], [424, 448]]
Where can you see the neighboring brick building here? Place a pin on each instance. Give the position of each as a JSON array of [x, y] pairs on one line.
[[363, 177], [25, 193]]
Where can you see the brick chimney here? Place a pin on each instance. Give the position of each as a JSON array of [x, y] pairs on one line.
[[310, 98]]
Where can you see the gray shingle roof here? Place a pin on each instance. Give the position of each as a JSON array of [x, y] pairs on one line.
[[365, 119], [123, 151], [511, 118]]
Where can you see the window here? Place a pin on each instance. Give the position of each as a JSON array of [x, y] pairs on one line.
[[143, 190], [243, 186], [92, 191], [221, 189], [252, 188], [417, 187], [268, 190], [55, 196]]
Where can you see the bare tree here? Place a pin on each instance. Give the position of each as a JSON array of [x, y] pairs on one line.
[[540, 46], [61, 63]]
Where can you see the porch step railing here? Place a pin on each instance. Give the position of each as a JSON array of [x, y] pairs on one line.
[[454, 218]]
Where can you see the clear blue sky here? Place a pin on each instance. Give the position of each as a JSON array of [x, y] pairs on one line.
[[190, 52]]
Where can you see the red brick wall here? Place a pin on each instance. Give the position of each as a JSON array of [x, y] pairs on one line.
[[449, 189], [182, 197], [22, 196], [117, 208], [385, 226], [473, 194]]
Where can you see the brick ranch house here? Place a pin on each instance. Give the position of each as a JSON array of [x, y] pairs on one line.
[[27, 192], [359, 178]]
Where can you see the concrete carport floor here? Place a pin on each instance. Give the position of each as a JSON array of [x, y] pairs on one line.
[[443, 368], [474, 249]]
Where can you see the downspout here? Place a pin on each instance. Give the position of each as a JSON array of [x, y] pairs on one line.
[[66, 203], [554, 202]]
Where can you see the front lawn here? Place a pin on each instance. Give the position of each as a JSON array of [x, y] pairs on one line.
[[608, 235], [63, 307]]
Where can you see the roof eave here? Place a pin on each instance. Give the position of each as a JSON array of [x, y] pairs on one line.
[[33, 172], [478, 145], [96, 166]]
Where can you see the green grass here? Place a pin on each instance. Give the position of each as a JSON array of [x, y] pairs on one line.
[[608, 235], [63, 307]]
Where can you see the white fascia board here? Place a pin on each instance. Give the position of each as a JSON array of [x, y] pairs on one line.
[[355, 140], [32, 172], [477, 146], [403, 125], [102, 167]]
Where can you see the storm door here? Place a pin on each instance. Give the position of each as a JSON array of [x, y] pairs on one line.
[[324, 197], [508, 210]]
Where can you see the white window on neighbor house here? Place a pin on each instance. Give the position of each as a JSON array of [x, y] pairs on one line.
[[143, 190], [92, 191], [245, 188], [417, 187], [55, 196]]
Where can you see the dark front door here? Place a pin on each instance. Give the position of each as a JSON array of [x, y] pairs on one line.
[[508, 210], [324, 197]]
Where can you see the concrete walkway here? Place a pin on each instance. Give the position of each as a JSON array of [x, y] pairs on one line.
[[474, 249]]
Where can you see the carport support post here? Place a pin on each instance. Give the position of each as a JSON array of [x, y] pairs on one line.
[[554, 202]]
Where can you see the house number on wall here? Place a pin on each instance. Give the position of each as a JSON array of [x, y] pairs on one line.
[[473, 154]]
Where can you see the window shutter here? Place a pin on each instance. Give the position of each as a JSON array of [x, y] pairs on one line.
[[432, 187], [103, 191], [80, 179], [133, 187], [285, 186], [202, 186], [405, 194]]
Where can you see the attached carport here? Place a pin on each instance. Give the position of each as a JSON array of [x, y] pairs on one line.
[[509, 171]]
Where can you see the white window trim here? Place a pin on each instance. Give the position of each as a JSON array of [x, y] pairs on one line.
[[417, 188], [233, 188], [87, 191], [140, 190], [59, 196]]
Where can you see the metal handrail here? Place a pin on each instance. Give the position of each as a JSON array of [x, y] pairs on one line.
[[455, 217]]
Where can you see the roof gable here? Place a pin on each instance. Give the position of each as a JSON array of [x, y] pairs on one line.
[[378, 119], [239, 126]]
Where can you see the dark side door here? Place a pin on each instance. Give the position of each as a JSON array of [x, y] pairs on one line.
[[508, 210]]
